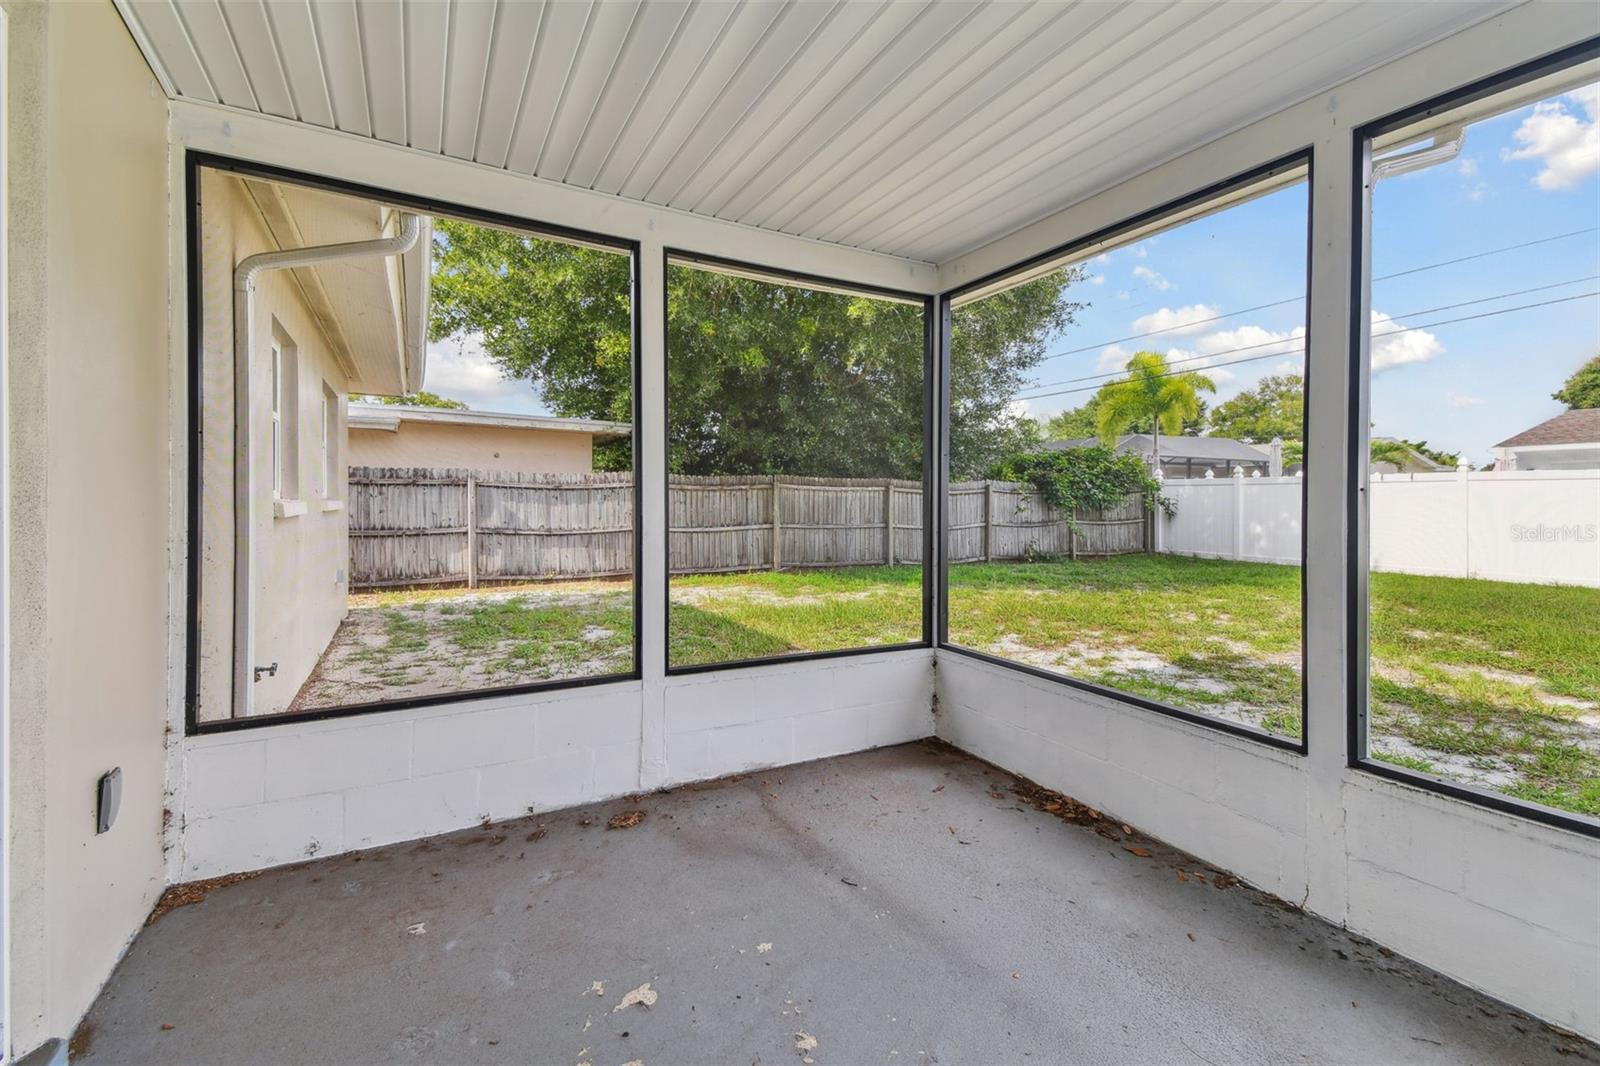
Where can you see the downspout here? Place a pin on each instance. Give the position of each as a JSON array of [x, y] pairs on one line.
[[244, 511]]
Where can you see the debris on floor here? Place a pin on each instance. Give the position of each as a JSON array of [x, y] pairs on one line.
[[193, 892], [805, 1043], [762, 949], [418, 929], [644, 995], [625, 819]]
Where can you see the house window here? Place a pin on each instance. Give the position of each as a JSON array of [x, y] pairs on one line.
[[284, 397], [1123, 510], [1475, 484], [796, 453], [476, 509], [329, 422], [277, 420]]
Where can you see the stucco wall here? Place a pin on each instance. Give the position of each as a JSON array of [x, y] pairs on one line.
[[88, 495], [476, 447], [302, 559]]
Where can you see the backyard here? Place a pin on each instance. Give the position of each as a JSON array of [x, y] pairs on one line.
[[1490, 683]]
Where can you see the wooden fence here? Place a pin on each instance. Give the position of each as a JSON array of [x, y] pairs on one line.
[[418, 525]]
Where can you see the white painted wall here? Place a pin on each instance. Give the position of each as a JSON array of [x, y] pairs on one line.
[[1541, 526], [264, 797], [1495, 901], [89, 437]]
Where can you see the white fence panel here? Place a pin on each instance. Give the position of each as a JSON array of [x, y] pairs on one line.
[[1539, 526]]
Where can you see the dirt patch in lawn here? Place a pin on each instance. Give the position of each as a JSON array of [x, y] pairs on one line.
[[479, 639]]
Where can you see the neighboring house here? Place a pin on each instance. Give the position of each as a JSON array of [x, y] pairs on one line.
[[383, 435], [1569, 441], [1414, 463], [321, 333], [1187, 456]]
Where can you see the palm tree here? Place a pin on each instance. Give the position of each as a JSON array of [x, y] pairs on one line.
[[1150, 394]]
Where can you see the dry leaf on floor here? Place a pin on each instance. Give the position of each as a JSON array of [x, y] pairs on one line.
[[625, 819], [1141, 852]]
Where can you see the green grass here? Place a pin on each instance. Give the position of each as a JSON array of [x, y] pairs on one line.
[[1468, 680]]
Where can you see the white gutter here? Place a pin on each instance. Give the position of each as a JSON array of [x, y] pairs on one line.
[[244, 560], [1446, 145]]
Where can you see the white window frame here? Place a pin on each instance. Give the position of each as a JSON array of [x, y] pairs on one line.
[[277, 419]]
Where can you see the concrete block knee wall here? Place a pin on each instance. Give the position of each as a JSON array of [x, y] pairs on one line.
[[1503, 904], [283, 793]]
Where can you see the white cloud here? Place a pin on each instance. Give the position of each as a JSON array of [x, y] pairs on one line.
[[1096, 279], [1140, 253], [1123, 294], [1176, 320], [1252, 342], [1398, 349], [1112, 358], [1102, 258], [459, 369], [1455, 399], [1567, 145], [1183, 361], [1151, 278]]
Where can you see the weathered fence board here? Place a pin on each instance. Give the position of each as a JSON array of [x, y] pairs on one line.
[[411, 526]]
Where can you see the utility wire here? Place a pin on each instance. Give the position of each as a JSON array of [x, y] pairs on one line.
[[1374, 336], [1297, 299], [1263, 344]]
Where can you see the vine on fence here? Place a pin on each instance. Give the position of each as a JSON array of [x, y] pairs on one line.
[[1093, 477]]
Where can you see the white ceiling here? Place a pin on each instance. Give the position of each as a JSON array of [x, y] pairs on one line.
[[919, 129]]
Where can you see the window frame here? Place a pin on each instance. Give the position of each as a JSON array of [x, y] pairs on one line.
[[196, 161], [1358, 569], [1302, 157], [928, 303]]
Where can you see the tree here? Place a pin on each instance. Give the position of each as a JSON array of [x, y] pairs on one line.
[[761, 378], [1150, 393], [1582, 389], [1275, 407], [418, 399], [1398, 452], [1082, 422]]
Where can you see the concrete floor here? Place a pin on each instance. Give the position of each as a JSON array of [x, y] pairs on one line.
[[901, 906]]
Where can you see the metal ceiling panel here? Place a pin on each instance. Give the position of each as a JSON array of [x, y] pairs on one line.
[[921, 130]]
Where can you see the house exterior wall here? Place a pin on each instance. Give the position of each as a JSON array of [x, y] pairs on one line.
[[302, 547], [88, 489], [474, 447]]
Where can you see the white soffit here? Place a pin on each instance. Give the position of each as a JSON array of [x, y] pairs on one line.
[[921, 130]]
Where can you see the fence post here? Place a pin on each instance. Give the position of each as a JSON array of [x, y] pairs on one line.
[[1153, 509], [1463, 472], [1238, 513], [777, 525], [988, 520], [888, 520], [472, 531]]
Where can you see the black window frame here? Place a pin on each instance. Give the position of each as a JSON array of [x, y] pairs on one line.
[[685, 257], [1357, 646], [1302, 157], [194, 162]]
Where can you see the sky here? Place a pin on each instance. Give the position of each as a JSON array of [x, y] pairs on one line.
[[1462, 386], [1529, 174]]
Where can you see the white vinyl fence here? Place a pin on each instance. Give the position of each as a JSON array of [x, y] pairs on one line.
[[1538, 526]]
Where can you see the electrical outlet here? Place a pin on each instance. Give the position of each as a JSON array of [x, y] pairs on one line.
[[108, 799]]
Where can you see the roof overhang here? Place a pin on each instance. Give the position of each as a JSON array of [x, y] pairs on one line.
[[389, 417]]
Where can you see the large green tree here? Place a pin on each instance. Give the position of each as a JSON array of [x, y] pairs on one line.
[[1151, 393], [1275, 407], [762, 378], [1582, 389]]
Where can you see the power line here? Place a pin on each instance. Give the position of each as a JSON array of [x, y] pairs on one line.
[[1375, 336], [1297, 299], [1263, 344]]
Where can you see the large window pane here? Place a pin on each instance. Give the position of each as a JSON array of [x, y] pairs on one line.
[[795, 445], [421, 487], [1483, 463], [1127, 428]]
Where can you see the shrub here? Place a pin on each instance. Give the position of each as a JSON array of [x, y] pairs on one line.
[[1092, 477]]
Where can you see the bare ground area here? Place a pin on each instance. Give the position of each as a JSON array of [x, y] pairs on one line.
[[405, 645]]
